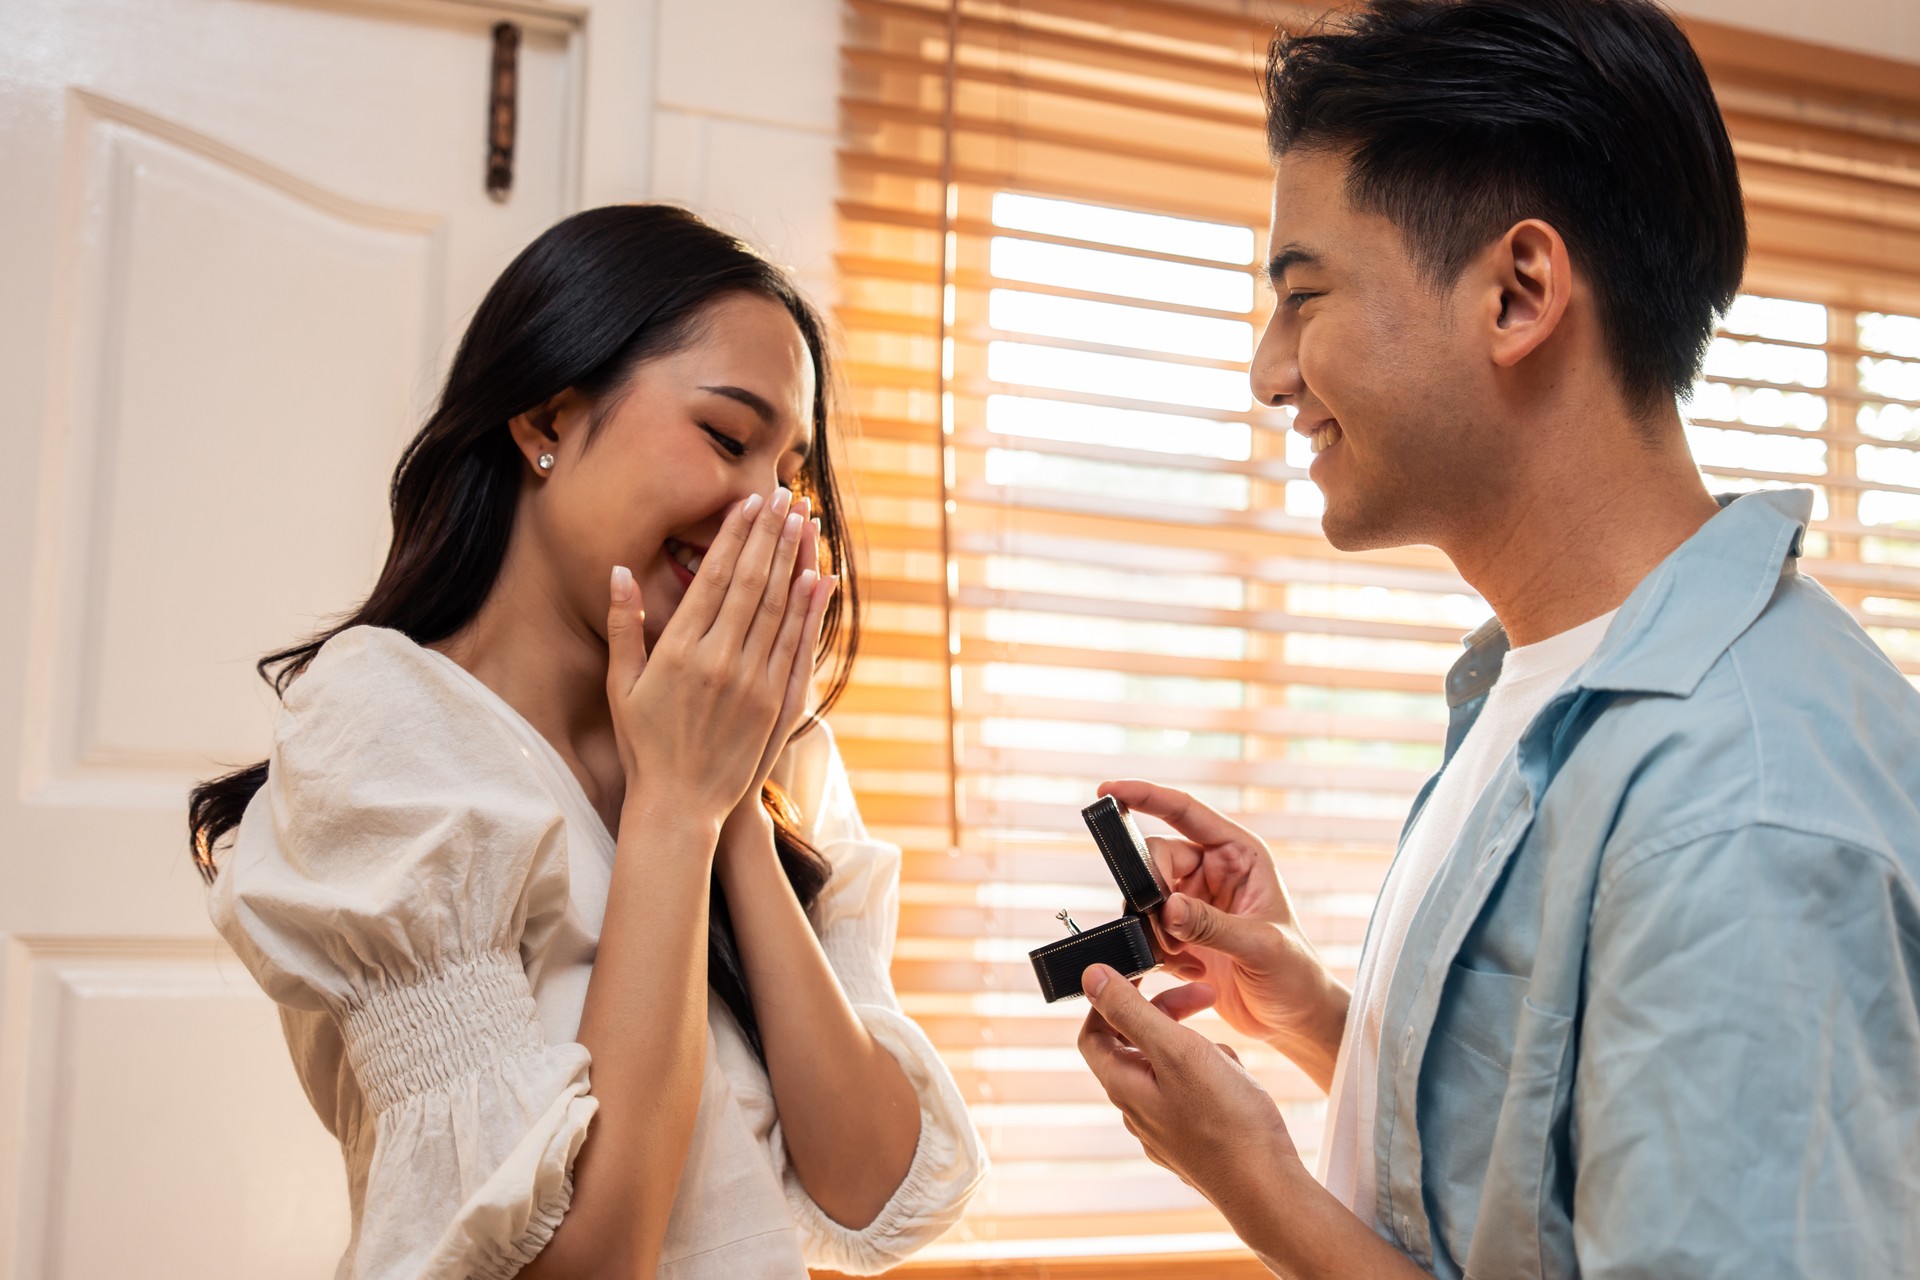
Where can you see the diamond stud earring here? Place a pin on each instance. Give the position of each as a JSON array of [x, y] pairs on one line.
[[546, 462]]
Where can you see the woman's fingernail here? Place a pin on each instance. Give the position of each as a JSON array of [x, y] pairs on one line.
[[816, 526], [622, 584], [807, 578], [751, 505], [782, 500], [790, 531], [804, 505], [1094, 980]]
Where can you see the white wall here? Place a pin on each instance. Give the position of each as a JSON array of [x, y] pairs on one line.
[[1889, 28], [745, 104], [746, 114]]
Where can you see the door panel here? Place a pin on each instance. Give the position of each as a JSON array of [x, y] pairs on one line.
[[186, 427], [134, 1180], [240, 239]]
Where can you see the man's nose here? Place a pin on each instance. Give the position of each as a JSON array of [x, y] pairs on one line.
[[1275, 371]]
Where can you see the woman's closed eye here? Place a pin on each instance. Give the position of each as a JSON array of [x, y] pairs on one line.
[[725, 441]]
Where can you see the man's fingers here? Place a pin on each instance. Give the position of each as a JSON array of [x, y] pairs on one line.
[[1122, 1070], [1177, 859], [1192, 922], [1182, 965], [1190, 817], [1130, 1013], [1181, 1003], [626, 638]]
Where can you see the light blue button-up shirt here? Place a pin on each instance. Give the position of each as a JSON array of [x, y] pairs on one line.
[[1659, 1013]]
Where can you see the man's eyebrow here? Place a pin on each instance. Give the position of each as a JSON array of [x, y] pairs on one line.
[[1291, 256], [761, 408]]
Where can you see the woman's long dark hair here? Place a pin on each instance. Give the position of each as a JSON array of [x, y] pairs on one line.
[[579, 308]]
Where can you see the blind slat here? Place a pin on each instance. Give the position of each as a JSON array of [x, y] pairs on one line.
[[1066, 587]]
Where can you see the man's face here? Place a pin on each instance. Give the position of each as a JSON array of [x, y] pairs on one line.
[[1377, 363]]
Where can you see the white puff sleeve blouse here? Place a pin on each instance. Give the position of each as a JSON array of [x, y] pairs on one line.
[[420, 886]]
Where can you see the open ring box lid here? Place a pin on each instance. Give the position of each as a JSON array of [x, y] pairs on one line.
[[1126, 943]]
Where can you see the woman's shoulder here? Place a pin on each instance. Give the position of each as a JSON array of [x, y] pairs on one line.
[[374, 704], [363, 661], [400, 828]]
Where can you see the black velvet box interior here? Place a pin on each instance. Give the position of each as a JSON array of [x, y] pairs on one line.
[[1126, 943]]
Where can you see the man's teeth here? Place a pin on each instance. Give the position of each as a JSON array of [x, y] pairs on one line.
[[1324, 437]]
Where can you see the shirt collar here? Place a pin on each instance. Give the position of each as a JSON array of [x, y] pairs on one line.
[[1685, 614]]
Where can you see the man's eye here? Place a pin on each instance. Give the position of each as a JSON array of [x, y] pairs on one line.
[[1299, 297], [725, 441]]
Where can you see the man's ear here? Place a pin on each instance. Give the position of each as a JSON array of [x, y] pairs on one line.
[[542, 428], [1529, 283]]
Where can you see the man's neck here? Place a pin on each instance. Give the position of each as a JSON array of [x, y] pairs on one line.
[[1579, 529]]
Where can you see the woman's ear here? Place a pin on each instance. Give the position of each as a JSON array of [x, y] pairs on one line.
[[542, 431], [1531, 285]]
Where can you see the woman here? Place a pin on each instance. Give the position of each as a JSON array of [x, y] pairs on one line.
[[579, 941]]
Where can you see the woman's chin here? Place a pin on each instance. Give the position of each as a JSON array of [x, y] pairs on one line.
[[658, 616], [661, 592]]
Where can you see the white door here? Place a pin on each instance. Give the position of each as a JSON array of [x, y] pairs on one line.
[[237, 241]]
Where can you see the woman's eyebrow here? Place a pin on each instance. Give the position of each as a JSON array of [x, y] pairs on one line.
[[758, 403], [753, 400]]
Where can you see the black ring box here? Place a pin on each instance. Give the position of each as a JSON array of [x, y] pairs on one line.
[[1127, 943]]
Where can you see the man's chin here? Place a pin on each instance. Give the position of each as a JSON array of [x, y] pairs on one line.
[[1352, 527]]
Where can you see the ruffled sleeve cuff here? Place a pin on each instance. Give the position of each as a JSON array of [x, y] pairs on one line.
[[477, 1122], [948, 1165]]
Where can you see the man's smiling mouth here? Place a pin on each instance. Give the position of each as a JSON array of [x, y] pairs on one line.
[[1322, 435]]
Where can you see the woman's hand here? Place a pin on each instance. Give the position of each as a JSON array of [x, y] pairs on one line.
[[1229, 923], [793, 708], [693, 719]]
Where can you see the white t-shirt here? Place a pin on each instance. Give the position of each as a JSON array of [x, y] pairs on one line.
[[1529, 677]]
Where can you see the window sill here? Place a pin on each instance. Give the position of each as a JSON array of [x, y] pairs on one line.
[[1189, 1266]]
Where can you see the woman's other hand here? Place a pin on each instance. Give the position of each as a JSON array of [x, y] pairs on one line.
[[694, 718], [808, 601]]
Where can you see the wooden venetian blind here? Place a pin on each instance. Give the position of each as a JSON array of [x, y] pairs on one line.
[[1816, 379], [1092, 556]]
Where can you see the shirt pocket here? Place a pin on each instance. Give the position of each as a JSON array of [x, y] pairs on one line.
[[1490, 1087], [1480, 1014]]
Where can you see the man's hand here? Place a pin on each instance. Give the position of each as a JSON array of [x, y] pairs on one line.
[[1198, 1112], [1191, 1104], [1229, 923]]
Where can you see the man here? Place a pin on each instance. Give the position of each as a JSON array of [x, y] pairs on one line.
[[1641, 996]]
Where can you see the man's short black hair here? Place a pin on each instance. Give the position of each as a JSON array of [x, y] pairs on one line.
[[1460, 118]]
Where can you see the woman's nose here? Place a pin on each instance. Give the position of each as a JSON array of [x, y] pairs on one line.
[[752, 480]]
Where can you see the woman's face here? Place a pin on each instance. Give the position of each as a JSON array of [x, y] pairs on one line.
[[696, 431]]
